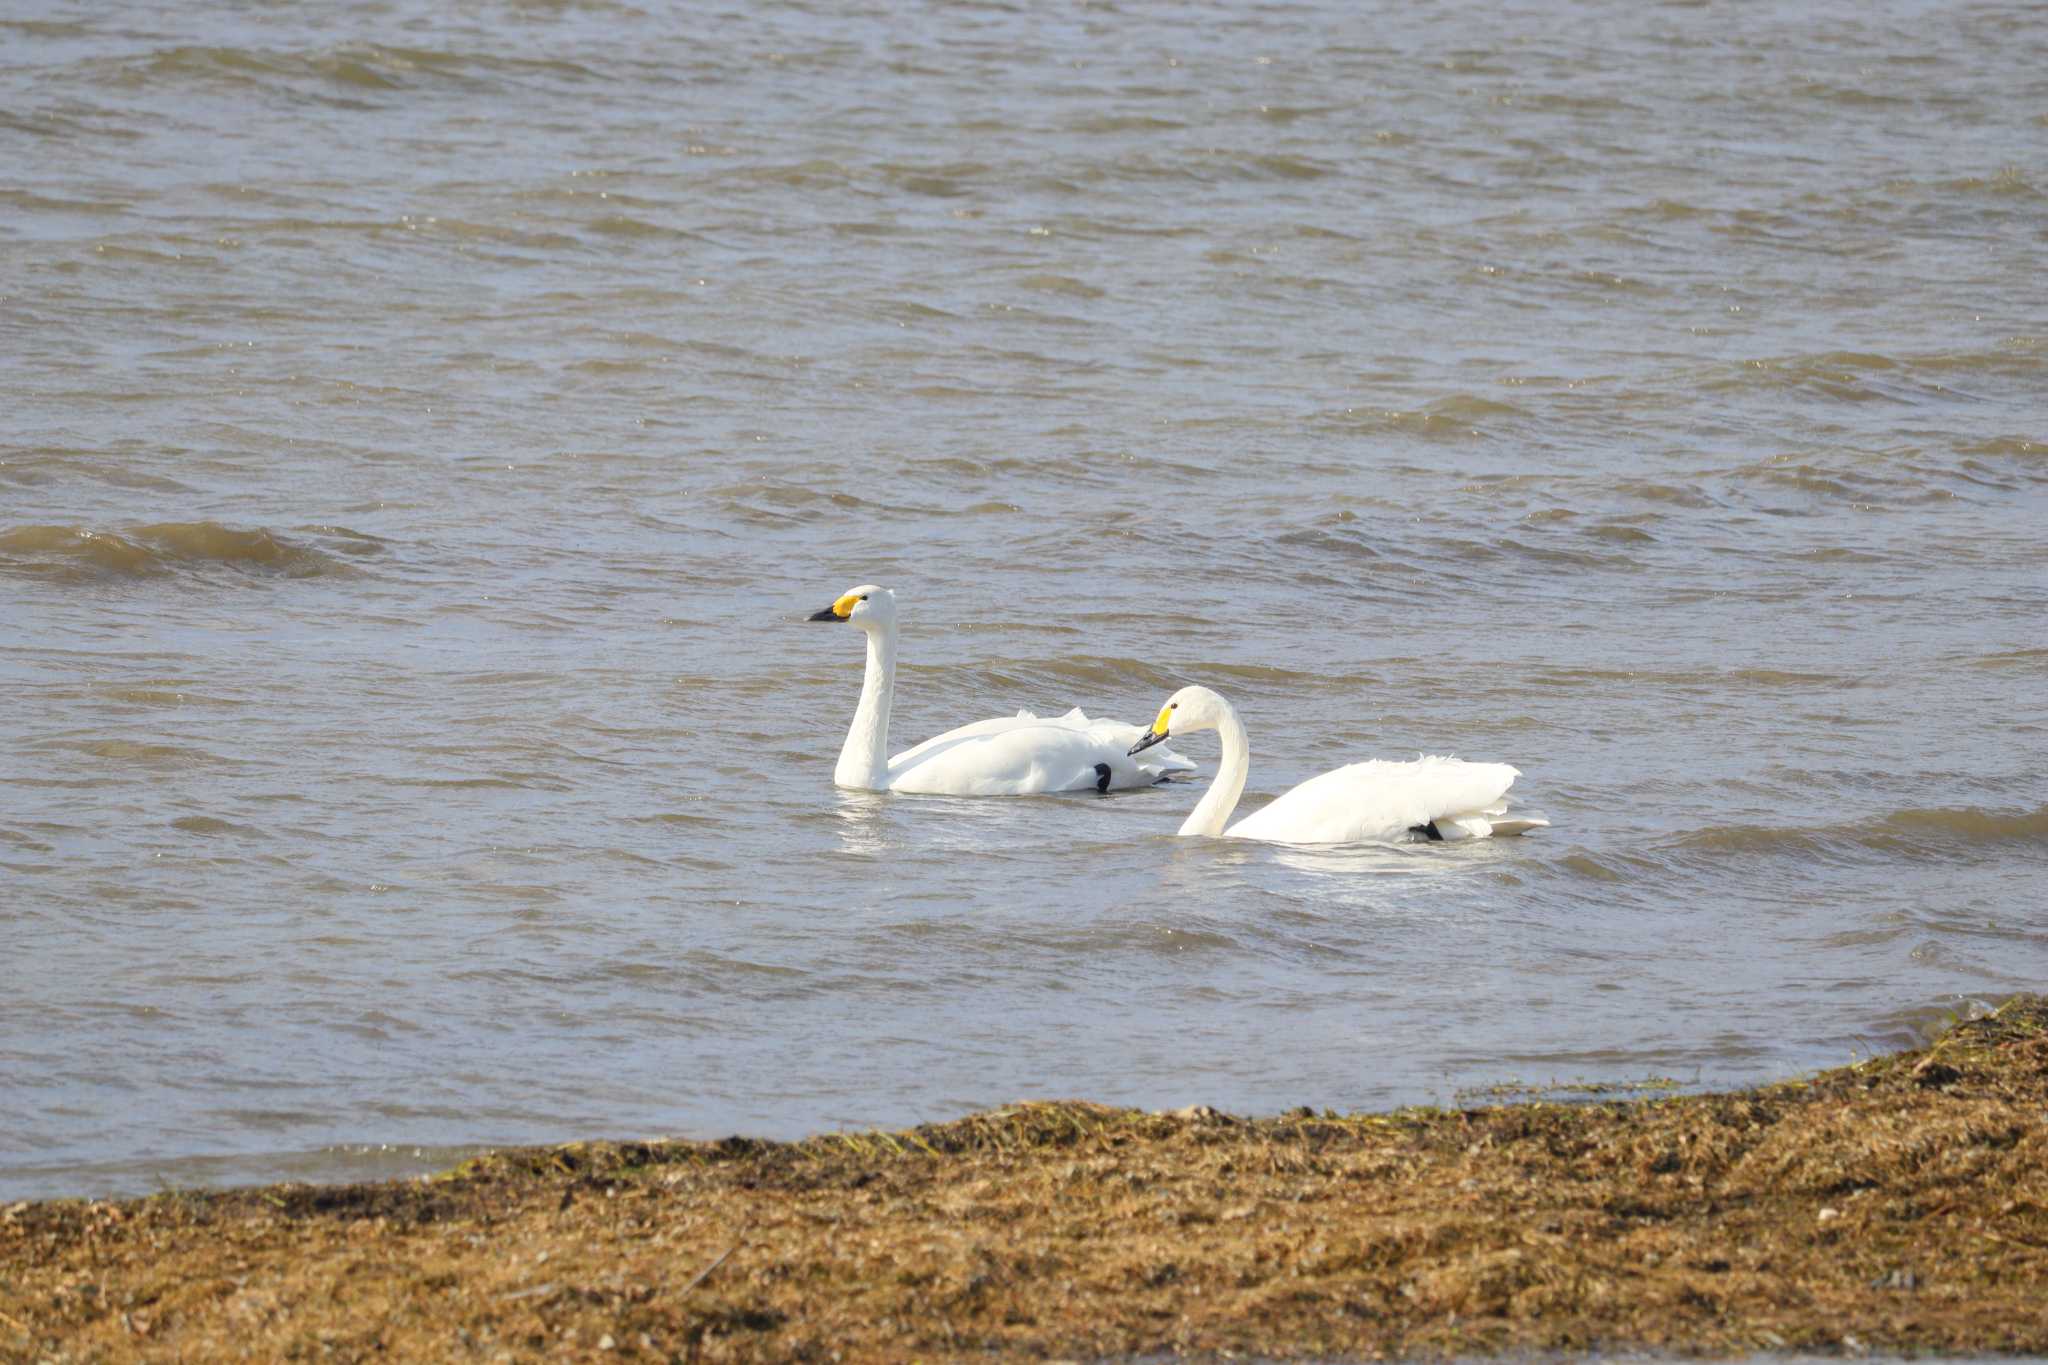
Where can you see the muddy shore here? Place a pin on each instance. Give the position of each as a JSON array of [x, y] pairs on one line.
[[1900, 1203]]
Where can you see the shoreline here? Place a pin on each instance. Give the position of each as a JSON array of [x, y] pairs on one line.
[[1900, 1204]]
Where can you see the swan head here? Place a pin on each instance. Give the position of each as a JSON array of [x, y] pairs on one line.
[[1188, 710], [867, 607]]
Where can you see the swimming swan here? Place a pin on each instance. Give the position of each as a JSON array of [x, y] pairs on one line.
[[1436, 798], [1017, 756]]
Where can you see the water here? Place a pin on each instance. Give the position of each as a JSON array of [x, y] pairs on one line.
[[427, 425]]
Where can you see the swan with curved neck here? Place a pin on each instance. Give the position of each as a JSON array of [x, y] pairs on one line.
[[1430, 798], [1018, 755]]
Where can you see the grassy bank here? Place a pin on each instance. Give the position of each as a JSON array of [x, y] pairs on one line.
[[1901, 1202]]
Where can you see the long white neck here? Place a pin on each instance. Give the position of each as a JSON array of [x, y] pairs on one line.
[[864, 760], [1212, 812]]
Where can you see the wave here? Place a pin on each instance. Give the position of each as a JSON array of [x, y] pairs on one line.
[[1911, 830], [2022, 446], [1971, 825], [2013, 658], [1915, 379], [145, 551], [359, 70]]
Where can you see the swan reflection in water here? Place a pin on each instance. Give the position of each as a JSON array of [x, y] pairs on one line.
[[861, 823]]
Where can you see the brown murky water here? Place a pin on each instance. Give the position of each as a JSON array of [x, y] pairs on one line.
[[425, 427]]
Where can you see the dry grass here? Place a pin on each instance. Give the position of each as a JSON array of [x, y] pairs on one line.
[[1900, 1203]]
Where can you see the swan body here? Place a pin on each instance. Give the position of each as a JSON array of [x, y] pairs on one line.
[[1374, 801], [1020, 755]]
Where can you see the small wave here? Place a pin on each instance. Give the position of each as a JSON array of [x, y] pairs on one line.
[[140, 753], [2014, 658], [2006, 446], [1831, 93], [1778, 677], [933, 186], [1350, 545], [348, 542], [1691, 680], [1607, 279], [621, 225], [1562, 558], [1848, 376], [1806, 478], [209, 824], [1024, 678], [1060, 284], [1280, 166], [1971, 825], [1620, 535], [1677, 495], [1286, 114], [36, 203], [1435, 426], [1103, 124], [1861, 376], [161, 696], [1591, 868], [2010, 181], [1221, 166], [1903, 831], [1465, 407], [356, 69], [162, 548]]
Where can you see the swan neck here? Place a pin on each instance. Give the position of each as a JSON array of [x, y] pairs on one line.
[[1213, 811], [864, 761]]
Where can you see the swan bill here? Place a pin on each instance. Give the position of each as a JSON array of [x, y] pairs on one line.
[[1162, 723], [842, 609]]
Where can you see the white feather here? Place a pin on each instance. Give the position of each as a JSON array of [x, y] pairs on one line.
[[1023, 754], [1377, 800], [1019, 755]]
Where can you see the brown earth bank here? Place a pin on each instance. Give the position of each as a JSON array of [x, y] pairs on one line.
[[1900, 1204]]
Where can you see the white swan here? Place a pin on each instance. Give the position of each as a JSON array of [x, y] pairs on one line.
[[1434, 798], [1020, 755]]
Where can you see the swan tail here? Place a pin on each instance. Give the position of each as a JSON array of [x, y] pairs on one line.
[[1164, 761], [1486, 824], [1166, 768]]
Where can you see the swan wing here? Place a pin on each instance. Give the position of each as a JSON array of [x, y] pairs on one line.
[[1159, 760], [1025, 754], [959, 733], [1383, 800]]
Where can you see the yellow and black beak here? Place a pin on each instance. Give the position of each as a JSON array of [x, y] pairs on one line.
[[1157, 735], [839, 610]]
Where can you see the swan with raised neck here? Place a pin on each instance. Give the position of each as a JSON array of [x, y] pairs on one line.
[[864, 758], [1016, 755], [1432, 798]]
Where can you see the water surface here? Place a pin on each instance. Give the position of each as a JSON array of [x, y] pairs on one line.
[[425, 427]]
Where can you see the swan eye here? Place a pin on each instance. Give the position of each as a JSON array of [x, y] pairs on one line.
[[863, 597], [1173, 706]]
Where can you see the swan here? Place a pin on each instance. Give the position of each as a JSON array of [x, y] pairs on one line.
[[1019, 755], [1434, 798]]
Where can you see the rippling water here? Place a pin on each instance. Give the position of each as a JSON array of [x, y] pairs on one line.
[[427, 425]]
